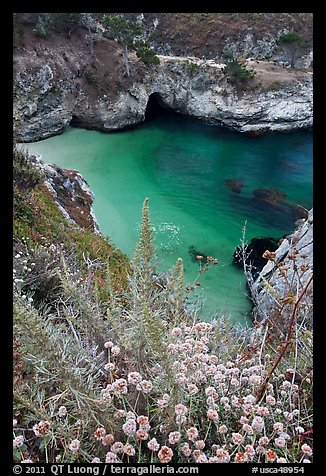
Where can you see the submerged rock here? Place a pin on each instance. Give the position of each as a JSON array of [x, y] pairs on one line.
[[270, 195], [194, 253], [234, 185]]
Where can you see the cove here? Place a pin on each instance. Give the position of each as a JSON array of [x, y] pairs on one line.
[[201, 181]]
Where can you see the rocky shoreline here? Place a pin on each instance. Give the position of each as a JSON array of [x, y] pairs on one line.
[[287, 272], [52, 90]]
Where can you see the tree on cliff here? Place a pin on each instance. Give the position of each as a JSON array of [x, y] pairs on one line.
[[127, 32], [124, 31]]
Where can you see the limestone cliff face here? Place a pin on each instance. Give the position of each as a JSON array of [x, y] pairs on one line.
[[58, 84], [290, 271]]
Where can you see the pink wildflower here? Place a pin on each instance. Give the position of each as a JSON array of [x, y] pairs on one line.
[[180, 409], [241, 457], [109, 366], [210, 391], [174, 437], [165, 454], [250, 451], [186, 450], [306, 450], [129, 428], [263, 441], [196, 454], [117, 447], [131, 416], [222, 456], [270, 456], [142, 420], [107, 440], [278, 427], [153, 445], [192, 389], [62, 412], [176, 332], [18, 441], [145, 386], [180, 420], [280, 442], [255, 380], [141, 434], [244, 420], [129, 450], [120, 386], [212, 414], [200, 444], [223, 429], [110, 457], [202, 459], [219, 377], [192, 433], [134, 378], [115, 350], [237, 438], [258, 424], [247, 428], [74, 445], [41, 428], [270, 400], [99, 433]]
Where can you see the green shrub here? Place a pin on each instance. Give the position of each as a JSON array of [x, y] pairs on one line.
[[146, 53], [193, 68], [290, 37], [237, 72], [25, 174], [41, 31]]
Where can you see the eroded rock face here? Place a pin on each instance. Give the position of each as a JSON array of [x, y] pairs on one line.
[[288, 272], [72, 194], [54, 85]]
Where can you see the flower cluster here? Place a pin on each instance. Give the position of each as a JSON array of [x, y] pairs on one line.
[[217, 419]]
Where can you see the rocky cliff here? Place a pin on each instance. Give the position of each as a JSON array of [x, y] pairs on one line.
[[287, 273], [60, 81], [71, 194]]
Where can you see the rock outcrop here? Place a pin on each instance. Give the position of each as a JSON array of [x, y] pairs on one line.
[[71, 193], [287, 272], [59, 84]]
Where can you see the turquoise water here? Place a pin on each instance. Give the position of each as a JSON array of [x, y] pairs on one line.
[[181, 165]]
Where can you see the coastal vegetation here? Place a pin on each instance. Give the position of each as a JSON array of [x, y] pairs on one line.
[[125, 373]]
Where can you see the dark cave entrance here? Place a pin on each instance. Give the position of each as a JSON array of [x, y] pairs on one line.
[[75, 122], [155, 107]]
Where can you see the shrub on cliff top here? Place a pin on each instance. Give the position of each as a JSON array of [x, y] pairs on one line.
[[237, 72], [289, 37]]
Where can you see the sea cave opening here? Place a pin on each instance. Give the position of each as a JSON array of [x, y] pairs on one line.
[[155, 107]]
